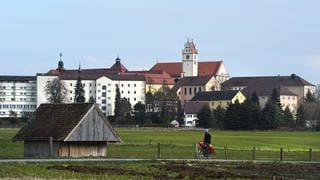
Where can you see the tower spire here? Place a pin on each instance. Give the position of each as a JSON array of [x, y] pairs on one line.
[[60, 63]]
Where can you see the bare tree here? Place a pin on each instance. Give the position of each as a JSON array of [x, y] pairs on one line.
[[56, 91]]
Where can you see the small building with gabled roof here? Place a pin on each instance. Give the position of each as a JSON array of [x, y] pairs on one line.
[[67, 130]]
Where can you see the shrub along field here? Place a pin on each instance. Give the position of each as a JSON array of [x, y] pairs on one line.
[[180, 143]]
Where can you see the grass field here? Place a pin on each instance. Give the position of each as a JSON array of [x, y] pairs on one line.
[[180, 143]]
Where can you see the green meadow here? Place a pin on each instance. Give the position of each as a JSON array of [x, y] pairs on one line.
[[152, 143]]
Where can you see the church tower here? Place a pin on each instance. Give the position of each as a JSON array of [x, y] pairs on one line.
[[189, 60]]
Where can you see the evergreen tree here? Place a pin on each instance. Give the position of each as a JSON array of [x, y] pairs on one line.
[[139, 113], [301, 117], [255, 98], [219, 116], [250, 115], [117, 103], [205, 117], [232, 117], [275, 97], [271, 116], [79, 91], [287, 118]]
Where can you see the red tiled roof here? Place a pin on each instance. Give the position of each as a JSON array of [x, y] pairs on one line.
[[154, 77], [173, 68], [206, 68]]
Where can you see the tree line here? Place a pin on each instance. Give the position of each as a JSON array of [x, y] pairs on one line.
[[250, 116]]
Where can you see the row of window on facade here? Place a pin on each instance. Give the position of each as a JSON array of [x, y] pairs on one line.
[[283, 98], [18, 112], [190, 91], [122, 85], [83, 84], [19, 99], [18, 106], [14, 87], [109, 98], [16, 93], [21, 81]]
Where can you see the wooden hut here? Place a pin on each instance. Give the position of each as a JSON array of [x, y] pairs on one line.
[[67, 130]]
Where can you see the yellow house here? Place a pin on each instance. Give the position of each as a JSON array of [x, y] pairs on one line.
[[220, 98]]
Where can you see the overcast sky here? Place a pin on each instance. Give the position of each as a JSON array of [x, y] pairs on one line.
[[252, 37]]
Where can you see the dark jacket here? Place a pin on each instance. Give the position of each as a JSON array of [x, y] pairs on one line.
[[207, 138]]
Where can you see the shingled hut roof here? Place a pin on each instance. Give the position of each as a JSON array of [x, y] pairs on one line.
[[57, 121]]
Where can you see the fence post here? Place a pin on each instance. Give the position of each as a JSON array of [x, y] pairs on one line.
[[131, 140], [225, 152], [254, 153], [281, 154], [196, 150], [310, 154], [159, 154], [150, 141]]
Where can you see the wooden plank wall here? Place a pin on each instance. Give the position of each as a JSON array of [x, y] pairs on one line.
[[39, 149], [83, 149]]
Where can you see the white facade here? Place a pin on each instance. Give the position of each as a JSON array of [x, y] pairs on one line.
[[103, 90], [18, 96], [189, 60], [133, 90], [222, 73]]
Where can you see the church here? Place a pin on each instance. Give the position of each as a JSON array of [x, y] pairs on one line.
[[190, 66], [191, 75]]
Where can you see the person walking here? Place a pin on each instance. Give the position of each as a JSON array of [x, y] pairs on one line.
[[207, 142]]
